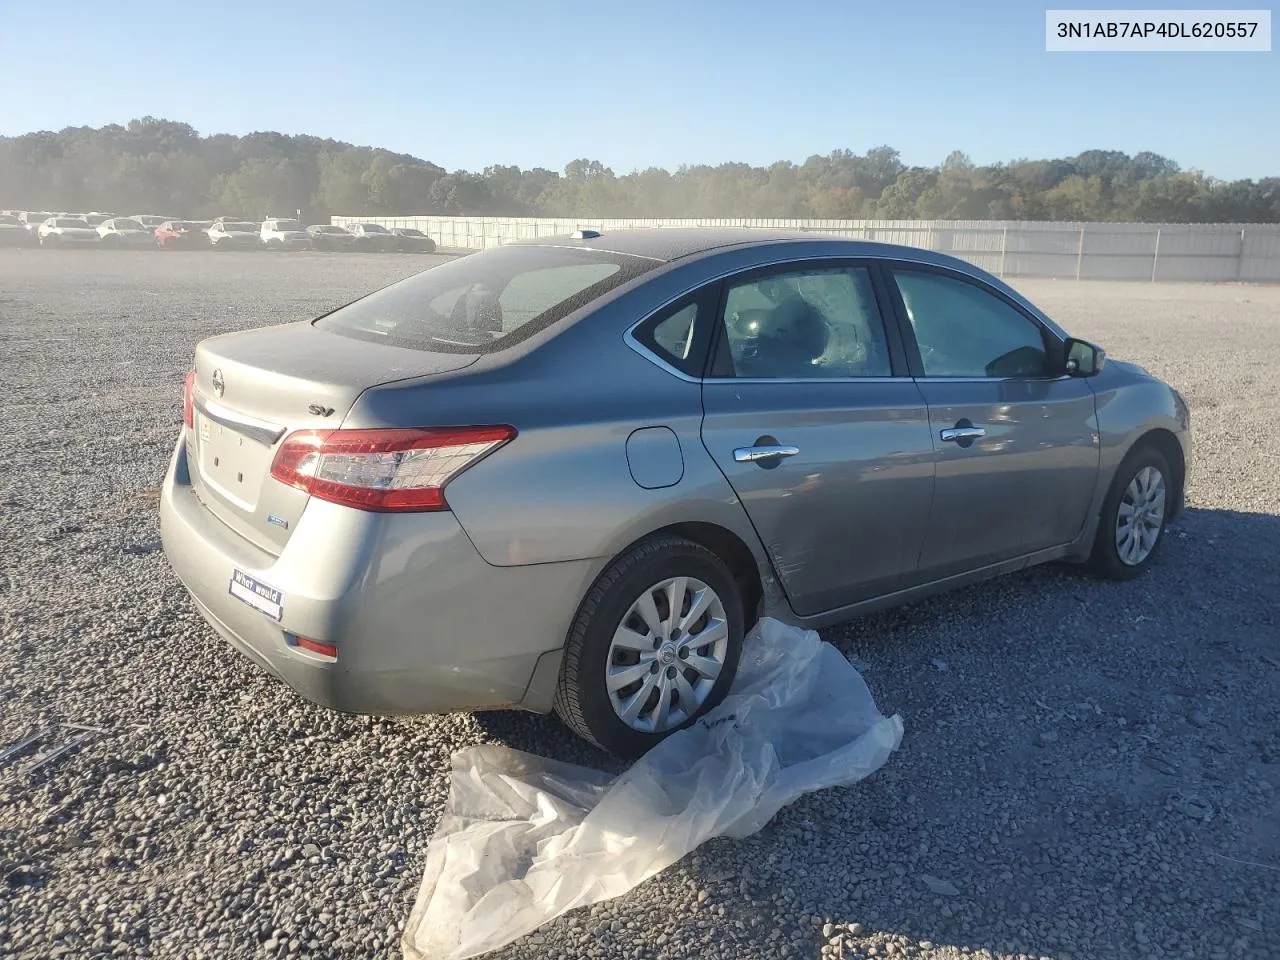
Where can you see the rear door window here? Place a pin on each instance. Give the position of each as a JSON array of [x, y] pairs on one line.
[[806, 324]]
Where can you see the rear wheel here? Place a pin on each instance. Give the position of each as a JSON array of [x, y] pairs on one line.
[[1133, 515], [655, 645]]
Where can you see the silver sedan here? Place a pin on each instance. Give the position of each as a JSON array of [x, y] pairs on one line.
[[570, 474]]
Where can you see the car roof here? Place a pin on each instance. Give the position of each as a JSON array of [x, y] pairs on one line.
[[675, 243]]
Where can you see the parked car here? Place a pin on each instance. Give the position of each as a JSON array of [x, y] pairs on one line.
[[372, 236], [67, 232], [285, 235], [182, 235], [150, 220], [572, 472], [328, 237], [124, 232], [32, 220], [229, 234], [409, 240], [13, 233]]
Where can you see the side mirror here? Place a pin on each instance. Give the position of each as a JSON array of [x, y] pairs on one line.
[[1084, 359]]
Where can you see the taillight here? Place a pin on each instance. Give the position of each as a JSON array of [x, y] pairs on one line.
[[189, 399], [384, 469]]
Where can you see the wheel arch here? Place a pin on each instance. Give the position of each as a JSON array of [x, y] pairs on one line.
[[730, 548], [726, 544], [1166, 444]]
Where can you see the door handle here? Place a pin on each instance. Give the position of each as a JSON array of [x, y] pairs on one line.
[[764, 452], [960, 434]]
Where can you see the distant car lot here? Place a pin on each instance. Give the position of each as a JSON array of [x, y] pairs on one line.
[[45, 229], [1093, 768]]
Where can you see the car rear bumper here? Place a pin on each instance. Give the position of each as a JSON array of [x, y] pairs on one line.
[[421, 622]]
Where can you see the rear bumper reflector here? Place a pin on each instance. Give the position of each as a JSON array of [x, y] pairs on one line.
[[315, 646]]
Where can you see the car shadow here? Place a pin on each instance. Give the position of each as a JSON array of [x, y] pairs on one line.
[[1090, 769], [545, 736]]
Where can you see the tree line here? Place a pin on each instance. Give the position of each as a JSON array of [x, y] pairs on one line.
[[153, 165]]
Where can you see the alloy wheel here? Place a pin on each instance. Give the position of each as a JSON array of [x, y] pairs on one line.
[[666, 654], [1140, 516]]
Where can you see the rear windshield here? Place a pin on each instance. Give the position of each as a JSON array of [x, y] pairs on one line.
[[71, 223], [407, 232], [288, 225], [324, 229], [487, 301], [372, 228]]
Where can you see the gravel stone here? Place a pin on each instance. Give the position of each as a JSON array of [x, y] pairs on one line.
[[290, 831]]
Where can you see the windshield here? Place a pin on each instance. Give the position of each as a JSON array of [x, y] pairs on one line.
[[373, 228], [60, 222], [240, 227], [486, 301]]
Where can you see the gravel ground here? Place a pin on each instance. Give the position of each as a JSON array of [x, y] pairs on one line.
[[1089, 769]]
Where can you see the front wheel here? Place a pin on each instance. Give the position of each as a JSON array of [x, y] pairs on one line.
[[1131, 528], [655, 645]]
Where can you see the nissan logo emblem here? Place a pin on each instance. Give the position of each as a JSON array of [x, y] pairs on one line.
[[219, 385]]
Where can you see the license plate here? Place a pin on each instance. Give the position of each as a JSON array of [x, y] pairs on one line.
[[260, 596]]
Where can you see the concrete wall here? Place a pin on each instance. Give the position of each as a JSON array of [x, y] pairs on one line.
[[1012, 248]]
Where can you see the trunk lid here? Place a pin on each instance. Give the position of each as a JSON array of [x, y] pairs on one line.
[[254, 388]]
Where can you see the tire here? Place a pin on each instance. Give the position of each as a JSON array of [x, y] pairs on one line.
[[50, 241], [1108, 559], [583, 698]]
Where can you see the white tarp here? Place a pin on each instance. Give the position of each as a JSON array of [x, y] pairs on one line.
[[523, 840]]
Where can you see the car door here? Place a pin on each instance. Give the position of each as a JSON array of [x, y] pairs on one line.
[[810, 414], [1015, 437]]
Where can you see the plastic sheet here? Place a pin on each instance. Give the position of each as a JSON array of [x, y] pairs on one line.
[[524, 840]]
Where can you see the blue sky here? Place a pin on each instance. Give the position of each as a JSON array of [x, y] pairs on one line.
[[655, 82]]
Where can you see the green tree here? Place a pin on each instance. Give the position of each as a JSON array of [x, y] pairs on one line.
[[152, 164]]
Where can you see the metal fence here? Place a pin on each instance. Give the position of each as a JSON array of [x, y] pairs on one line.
[[1009, 248]]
